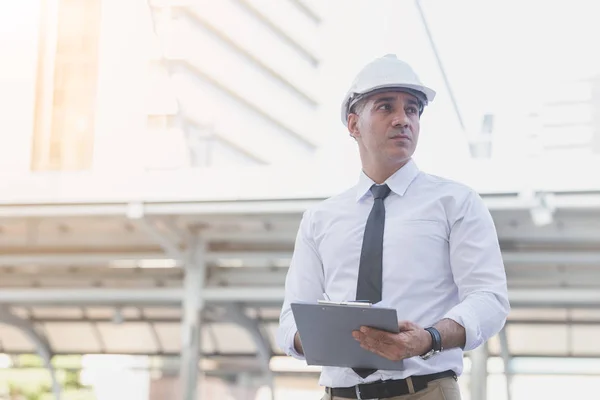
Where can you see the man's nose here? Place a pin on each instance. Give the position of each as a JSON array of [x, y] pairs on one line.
[[400, 119]]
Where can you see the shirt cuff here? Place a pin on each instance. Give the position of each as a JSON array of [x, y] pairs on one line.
[[289, 340], [462, 315]]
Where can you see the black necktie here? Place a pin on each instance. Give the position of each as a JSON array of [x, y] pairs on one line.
[[370, 268]]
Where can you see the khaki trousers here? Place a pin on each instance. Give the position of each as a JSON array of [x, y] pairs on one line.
[[440, 389]]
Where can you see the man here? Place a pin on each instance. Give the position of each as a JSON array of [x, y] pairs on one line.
[[421, 244]]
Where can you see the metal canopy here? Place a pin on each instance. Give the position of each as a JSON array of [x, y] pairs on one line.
[[92, 270], [154, 331]]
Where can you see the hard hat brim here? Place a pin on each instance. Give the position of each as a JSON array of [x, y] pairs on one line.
[[428, 96]]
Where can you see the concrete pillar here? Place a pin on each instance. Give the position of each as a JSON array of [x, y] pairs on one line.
[[192, 305], [479, 373]]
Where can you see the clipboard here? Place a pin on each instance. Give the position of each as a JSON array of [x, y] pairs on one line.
[[326, 329]]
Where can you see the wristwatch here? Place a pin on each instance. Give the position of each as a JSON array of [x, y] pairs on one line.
[[436, 343]]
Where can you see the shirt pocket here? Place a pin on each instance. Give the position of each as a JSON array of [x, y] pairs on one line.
[[416, 242], [416, 255], [417, 228]]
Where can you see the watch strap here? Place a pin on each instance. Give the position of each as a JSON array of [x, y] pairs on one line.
[[436, 339]]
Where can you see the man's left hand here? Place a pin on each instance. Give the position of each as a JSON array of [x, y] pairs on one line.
[[412, 341]]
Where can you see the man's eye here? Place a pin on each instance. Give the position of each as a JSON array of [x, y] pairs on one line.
[[385, 107], [412, 110]]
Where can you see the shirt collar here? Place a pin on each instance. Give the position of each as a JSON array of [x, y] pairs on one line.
[[398, 182]]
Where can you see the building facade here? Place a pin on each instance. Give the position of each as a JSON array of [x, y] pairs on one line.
[[161, 84]]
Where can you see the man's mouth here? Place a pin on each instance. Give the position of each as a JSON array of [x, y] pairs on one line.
[[400, 137]]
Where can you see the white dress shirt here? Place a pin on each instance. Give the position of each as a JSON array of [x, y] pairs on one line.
[[441, 259]]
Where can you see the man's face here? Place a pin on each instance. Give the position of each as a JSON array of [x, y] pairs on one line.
[[387, 127]]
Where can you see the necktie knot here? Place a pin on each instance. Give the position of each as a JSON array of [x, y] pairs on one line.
[[380, 191]]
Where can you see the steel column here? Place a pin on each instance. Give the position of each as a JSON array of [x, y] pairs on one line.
[[506, 358], [263, 346], [479, 372], [192, 305]]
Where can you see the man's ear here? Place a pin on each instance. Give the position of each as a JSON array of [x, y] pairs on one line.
[[353, 125]]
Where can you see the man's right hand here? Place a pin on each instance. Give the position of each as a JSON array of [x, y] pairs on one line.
[[298, 344]]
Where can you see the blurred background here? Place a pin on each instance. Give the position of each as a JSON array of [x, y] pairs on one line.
[[156, 157]]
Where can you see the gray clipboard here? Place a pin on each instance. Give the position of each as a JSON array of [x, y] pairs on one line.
[[326, 334]]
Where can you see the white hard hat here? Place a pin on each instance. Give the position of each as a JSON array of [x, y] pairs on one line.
[[387, 72]]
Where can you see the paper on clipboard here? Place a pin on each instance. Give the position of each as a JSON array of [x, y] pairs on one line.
[[346, 303]]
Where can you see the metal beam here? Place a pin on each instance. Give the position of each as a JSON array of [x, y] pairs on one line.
[[78, 258], [263, 257], [248, 357], [522, 297], [170, 225], [98, 258], [290, 207], [272, 236], [553, 279], [221, 276], [61, 210], [248, 255], [547, 276], [91, 296], [567, 297], [440, 65], [554, 321], [556, 365], [40, 341], [273, 295], [209, 319], [171, 248], [133, 296], [93, 272], [541, 277], [199, 207], [568, 234], [153, 331], [552, 258], [275, 320], [143, 277]]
